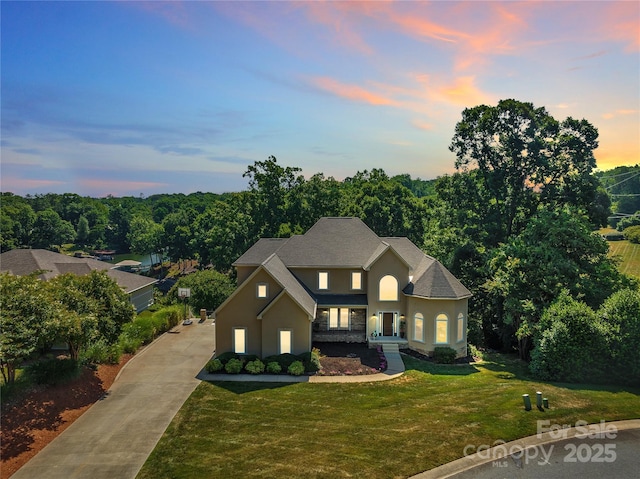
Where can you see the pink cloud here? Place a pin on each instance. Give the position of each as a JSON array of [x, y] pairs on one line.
[[352, 92], [12, 183]]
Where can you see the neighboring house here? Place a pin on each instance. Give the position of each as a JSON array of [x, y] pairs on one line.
[[22, 262], [341, 282]]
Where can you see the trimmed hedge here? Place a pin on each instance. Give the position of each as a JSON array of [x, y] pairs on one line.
[[214, 366], [274, 368], [254, 367], [233, 366], [444, 355], [296, 368]]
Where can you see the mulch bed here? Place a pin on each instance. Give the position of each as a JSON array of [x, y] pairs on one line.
[[39, 415], [344, 359]]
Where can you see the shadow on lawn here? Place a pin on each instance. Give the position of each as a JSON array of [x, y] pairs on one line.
[[414, 364], [243, 387]]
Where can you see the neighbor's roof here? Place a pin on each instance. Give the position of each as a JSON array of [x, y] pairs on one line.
[[22, 262], [349, 243]]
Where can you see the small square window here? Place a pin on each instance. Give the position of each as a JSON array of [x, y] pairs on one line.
[[263, 290]]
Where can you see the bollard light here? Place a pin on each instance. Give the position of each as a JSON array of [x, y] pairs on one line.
[[527, 402], [545, 403], [539, 400]]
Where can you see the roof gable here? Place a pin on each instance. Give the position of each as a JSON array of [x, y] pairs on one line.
[[434, 281]]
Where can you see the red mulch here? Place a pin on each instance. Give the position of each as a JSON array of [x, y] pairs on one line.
[[347, 359], [38, 416]]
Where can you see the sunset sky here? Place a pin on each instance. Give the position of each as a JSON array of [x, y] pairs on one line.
[[130, 98]]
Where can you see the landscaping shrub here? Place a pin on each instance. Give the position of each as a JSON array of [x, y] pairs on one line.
[[254, 367], [247, 358], [225, 357], [614, 236], [233, 366], [475, 352], [284, 360], [274, 368], [632, 233], [128, 343], [296, 368], [100, 352], [570, 343], [214, 366], [311, 360], [53, 371], [444, 355]]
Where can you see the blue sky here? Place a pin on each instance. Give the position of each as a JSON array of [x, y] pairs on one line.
[[130, 98]]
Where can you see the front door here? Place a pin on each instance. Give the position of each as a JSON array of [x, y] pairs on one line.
[[387, 324]]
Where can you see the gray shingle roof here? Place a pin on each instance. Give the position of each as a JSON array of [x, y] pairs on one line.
[[349, 243], [276, 268], [22, 262]]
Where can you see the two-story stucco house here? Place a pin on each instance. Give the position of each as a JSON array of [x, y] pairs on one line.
[[341, 282]]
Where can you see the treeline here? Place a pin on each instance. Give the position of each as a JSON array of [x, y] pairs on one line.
[[514, 223]]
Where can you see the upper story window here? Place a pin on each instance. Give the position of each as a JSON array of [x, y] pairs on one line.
[[262, 290], [388, 288], [323, 280], [356, 280], [442, 328]]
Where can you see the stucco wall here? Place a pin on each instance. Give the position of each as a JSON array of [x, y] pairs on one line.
[[430, 309], [242, 311], [339, 280], [285, 314], [387, 264]]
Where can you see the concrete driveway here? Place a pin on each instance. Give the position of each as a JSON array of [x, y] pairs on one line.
[[116, 435]]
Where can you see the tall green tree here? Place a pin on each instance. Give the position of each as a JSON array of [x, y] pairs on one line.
[[50, 231], [145, 236], [557, 251], [525, 157], [209, 289], [82, 231], [270, 184]]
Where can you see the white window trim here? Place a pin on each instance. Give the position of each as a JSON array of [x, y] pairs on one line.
[[233, 332], [460, 332], [359, 273], [280, 340], [340, 327], [320, 273], [380, 289], [436, 328], [420, 340], [266, 285]]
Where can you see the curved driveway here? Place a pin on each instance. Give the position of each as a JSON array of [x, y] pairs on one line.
[[114, 437]]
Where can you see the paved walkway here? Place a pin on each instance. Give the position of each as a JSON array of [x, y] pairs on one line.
[[114, 437], [395, 368]]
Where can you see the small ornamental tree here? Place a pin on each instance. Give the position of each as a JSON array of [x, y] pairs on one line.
[[26, 313]]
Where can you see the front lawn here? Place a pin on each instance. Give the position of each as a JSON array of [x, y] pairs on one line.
[[396, 428]]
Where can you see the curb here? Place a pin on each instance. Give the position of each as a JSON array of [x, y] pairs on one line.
[[499, 452]]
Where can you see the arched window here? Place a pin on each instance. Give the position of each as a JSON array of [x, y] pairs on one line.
[[460, 327], [418, 327], [442, 329], [388, 290]]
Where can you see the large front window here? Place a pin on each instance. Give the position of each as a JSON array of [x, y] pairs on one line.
[[338, 318], [388, 288]]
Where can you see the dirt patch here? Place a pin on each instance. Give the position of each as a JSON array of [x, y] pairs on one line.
[[37, 417], [344, 359]]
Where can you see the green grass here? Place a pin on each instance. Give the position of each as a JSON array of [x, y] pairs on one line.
[[629, 255], [376, 430]]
